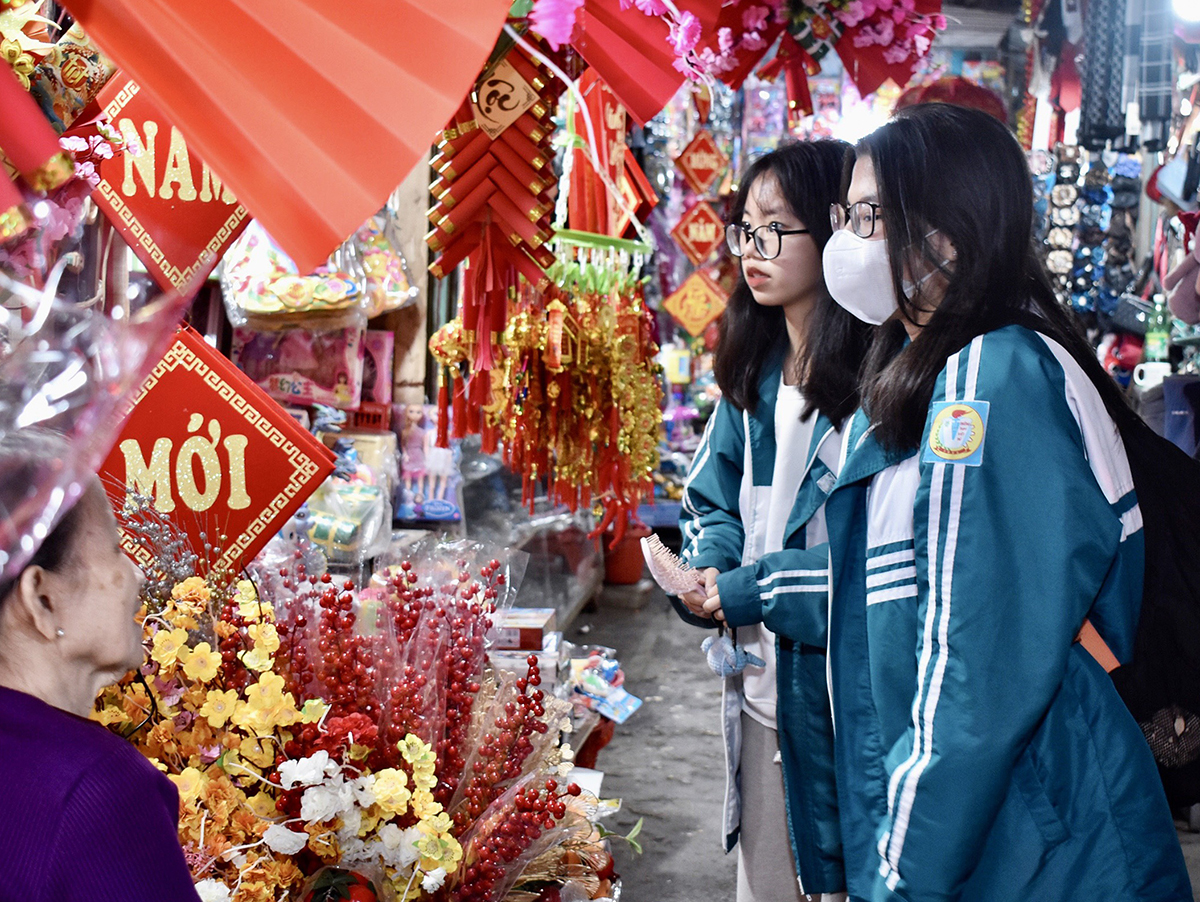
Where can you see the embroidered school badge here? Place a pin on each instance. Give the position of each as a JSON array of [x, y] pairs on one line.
[[957, 433]]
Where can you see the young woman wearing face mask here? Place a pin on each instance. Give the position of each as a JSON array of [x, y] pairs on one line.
[[984, 509], [787, 365]]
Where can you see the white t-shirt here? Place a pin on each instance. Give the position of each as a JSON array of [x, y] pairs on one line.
[[792, 439]]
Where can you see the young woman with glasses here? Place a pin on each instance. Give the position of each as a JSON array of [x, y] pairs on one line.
[[787, 364], [984, 515]]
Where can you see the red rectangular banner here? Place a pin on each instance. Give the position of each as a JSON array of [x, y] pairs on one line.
[[215, 452], [171, 209]]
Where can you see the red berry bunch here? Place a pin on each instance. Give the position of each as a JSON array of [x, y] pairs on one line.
[[515, 830]]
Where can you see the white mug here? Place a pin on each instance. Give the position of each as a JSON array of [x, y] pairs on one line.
[[1147, 375]]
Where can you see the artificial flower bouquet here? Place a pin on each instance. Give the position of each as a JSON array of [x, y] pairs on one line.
[[311, 725]]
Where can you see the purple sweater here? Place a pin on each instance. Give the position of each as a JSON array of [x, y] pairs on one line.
[[83, 815]]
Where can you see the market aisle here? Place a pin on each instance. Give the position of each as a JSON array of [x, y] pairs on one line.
[[666, 760]]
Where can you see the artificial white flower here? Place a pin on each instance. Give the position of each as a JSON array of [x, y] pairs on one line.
[[322, 803], [284, 841], [213, 891], [433, 880], [364, 790], [405, 851], [351, 823], [306, 771], [355, 851]]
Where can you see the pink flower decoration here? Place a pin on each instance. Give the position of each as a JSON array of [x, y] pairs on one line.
[[939, 22], [851, 15], [685, 34], [922, 42], [755, 18], [894, 54], [725, 39], [899, 15], [651, 7], [909, 5], [752, 40], [554, 20]]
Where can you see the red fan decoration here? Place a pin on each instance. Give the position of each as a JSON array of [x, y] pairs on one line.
[[311, 112], [958, 91]]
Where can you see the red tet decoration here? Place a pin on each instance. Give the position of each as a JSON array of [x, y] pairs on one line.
[[696, 303], [215, 452], [699, 232], [176, 213], [702, 162]]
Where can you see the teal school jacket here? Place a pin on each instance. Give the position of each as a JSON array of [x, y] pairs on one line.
[[723, 521]]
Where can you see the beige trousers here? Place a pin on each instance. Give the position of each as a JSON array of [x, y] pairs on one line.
[[766, 869]]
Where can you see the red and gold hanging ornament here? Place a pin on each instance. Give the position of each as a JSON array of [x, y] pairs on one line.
[[580, 399], [702, 162], [697, 303], [699, 232], [495, 165], [575, 397], [30, 147], [797, 65], [592, 203]]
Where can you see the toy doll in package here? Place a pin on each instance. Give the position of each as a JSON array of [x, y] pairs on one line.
[[429, 475], [303, 366]]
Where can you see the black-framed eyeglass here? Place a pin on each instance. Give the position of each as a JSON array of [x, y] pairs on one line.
[[861, 215], [768, 239]]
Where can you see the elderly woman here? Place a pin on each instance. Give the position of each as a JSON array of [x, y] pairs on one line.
[[84, 815]]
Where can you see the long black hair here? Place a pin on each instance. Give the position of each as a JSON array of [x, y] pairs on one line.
[[826, 372], [958, 173]]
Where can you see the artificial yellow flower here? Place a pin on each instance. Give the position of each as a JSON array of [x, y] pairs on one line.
[[264, 636], [190, 783], [391, 790], [423, 804], [167, 646], [415, 751], [267, 706], [22, 63], [219, 706], [314, 709], [263, 806], [424, 779], [257, 659], [203, 663], [110, 715], [251, 609], [257, 751], [192, 589]]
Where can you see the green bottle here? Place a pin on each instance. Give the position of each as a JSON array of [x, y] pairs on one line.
[[1158, 331]]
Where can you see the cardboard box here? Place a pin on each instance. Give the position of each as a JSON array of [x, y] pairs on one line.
[[523, 628]]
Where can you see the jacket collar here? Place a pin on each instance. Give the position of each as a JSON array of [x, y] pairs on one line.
[[862, 455]]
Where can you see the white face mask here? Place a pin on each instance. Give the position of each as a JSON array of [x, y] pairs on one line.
[[859, 276]]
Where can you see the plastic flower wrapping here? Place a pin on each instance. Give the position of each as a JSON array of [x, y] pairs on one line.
[[311, 725], [71, 358]]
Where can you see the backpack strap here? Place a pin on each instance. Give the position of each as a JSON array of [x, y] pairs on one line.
[[1095, 646]]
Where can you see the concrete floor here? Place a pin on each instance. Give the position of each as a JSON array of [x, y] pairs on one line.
[[666, 761]]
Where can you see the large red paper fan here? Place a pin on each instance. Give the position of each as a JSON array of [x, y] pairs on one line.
[[311, 111]]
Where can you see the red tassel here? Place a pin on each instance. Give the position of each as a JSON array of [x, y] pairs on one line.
[[473, 405], [443, 408], [489, 437], [460, 408]]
